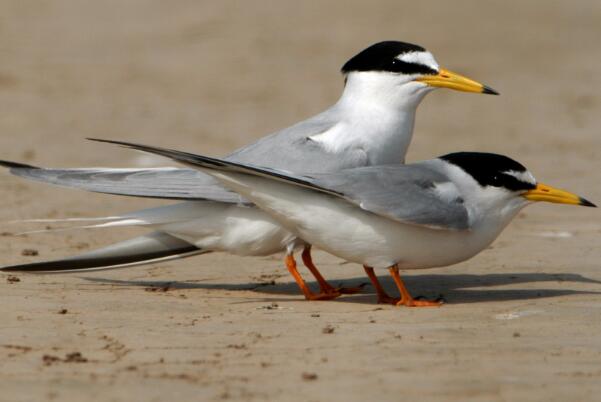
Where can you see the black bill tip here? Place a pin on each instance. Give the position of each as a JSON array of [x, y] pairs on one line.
[[586, 203], [488, 90]]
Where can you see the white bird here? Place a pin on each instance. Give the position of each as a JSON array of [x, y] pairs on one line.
[[421, 215], [371, 124]]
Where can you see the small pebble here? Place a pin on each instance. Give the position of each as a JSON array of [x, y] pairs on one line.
[[309, 376], [75, 357], [49, 359], [29, 252]]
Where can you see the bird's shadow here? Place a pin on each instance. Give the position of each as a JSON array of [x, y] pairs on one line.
[[454, 288]]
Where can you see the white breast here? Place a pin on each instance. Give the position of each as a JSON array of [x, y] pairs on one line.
[[365, 238]]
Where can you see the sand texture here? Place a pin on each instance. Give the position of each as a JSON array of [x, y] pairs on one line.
[[523, 319]]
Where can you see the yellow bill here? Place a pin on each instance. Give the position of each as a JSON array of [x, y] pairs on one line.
[[449, 79], [542, 192]]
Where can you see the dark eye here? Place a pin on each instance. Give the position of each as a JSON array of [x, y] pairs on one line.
[[495, 181]]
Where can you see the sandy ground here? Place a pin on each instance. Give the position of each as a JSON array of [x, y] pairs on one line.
[[522, 320]]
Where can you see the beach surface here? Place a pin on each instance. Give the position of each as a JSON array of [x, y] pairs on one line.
[[522, 319]]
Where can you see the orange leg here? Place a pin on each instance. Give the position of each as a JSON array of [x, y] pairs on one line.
[[291, 265], [383, 297], [324, 286], [406, 299]]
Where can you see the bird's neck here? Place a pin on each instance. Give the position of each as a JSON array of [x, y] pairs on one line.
[[378, 118]]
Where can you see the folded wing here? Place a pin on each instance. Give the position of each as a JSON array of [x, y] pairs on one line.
[[412, 194], [406, 193]]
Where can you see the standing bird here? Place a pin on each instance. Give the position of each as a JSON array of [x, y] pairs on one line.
[[371, 124], [421, 215]]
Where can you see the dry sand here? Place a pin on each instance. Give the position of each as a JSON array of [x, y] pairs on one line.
[[522, 320]]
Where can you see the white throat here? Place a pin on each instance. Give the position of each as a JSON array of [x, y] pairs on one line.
[[377, 113]]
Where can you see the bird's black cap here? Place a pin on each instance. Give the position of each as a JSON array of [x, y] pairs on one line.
[[382, 56], [490, 169]]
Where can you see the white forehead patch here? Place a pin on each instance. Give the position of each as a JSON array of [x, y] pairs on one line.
[[525, 177], [424, 58]]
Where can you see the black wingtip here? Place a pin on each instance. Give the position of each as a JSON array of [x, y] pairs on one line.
[[108, 141], [90, 262], [11, 165], [488, 90], [131, 145], [586, 203], [178, 156], [15, 268]]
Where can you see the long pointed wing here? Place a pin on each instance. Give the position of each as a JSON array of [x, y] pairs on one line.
[[406, 193], [167, 183], [146, 249]]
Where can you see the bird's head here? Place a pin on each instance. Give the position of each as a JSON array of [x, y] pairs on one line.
[[500, 185], [402, 70]]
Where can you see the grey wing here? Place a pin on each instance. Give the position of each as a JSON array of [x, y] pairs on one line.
[[409, 194], [293, 150], [414, 194], [166, 183], [290, 149]]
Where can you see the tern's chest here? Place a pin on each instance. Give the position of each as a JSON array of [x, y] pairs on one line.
[[374, 141], [366, 238]]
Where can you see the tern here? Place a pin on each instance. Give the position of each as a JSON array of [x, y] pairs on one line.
[[427, 214], [371, 124]]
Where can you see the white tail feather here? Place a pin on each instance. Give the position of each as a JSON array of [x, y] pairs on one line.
[[61, 220], [167, 214], [116, 223]]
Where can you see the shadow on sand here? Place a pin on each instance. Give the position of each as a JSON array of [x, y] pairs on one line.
[[455, 288]]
